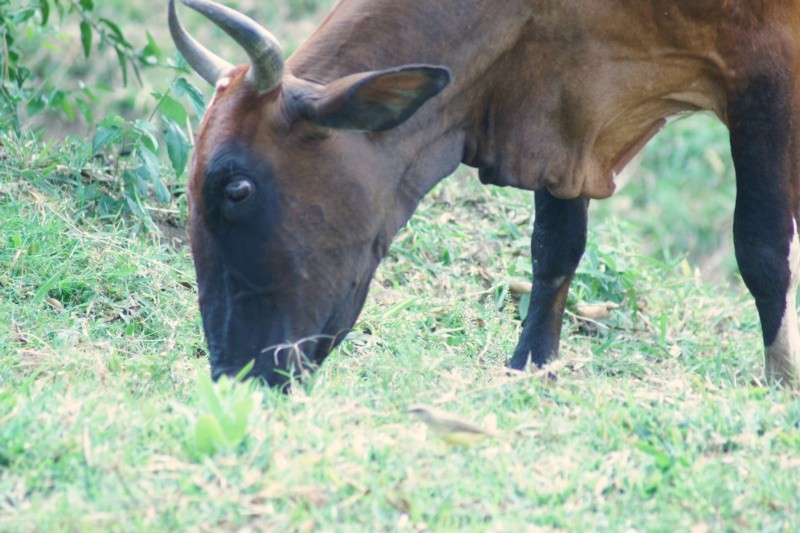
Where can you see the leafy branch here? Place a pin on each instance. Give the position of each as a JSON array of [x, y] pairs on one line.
[[135, 146]]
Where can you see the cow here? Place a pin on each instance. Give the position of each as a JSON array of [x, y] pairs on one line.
[[304, 169]]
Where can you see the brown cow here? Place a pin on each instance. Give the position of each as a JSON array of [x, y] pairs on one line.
[[303, 172]]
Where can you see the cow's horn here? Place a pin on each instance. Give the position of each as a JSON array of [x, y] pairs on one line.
[[266, 56], [207, 64]]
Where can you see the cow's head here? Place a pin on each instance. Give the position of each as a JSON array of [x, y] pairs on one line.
[[292, 205]]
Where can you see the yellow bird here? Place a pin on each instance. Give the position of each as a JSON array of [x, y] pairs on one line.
[[450, 428]]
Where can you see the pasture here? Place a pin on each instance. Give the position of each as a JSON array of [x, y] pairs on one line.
[[658, 417]]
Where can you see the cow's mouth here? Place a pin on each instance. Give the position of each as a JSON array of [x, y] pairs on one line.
[[281, 363]]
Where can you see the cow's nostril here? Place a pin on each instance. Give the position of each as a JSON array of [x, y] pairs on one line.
[[239, 190]]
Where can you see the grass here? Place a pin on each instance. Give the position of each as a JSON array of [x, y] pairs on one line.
[[658, 420]]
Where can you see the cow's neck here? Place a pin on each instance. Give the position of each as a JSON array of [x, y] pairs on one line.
[[362, 35]]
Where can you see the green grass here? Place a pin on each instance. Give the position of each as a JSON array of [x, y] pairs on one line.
[[659, 419]]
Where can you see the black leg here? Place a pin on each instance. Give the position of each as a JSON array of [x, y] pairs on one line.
[[559, 238], [765, 231]]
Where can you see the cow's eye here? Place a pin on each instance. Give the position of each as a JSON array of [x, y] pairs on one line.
[[238, 191]]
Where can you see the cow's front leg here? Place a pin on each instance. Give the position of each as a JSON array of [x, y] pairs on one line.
[[559, 238], [765, 220]]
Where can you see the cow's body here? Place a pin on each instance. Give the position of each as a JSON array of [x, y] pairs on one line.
[[552, 96]]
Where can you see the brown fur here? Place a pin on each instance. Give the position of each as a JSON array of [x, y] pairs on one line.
[[549, 94], [561, 93]]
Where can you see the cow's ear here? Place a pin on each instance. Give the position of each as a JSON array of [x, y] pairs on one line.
[[374, 101]]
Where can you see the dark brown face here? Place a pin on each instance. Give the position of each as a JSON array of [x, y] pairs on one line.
[[293, 197], [282, 274], [289, 220]]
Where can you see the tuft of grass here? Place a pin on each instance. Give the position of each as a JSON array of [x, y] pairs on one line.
[[223, 423]]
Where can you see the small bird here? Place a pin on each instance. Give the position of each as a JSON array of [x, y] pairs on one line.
[[450, 428]]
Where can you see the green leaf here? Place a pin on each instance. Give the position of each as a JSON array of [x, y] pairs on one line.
[[116, 34], [44, 9], [137, 181], [173, 109], [36, 105], [123, 65], [237, 428], [161, 191], [23, 15], [114, 121], [86, 38], [92, 98], [208, 435], [245, 369], [150, 162], [177, 146], [103, 136], [68, 108], [151, 52], [135, 206], [60, 99], [181, 87], [234, 423], [86, 110], [87, 5], [207, 395], [147, 130]]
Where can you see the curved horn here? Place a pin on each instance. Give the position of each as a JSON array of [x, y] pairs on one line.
[[266, 56], [207, 64]]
